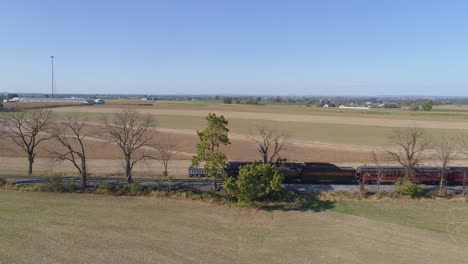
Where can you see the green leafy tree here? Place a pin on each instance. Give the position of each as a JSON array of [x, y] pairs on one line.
[[227, 100], [209, 153], [427, 105], [256, 182]]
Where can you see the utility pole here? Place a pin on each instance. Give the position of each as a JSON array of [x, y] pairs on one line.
[[52, 82]]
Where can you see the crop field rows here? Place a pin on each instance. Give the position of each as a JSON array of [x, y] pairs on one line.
[[326, 135]]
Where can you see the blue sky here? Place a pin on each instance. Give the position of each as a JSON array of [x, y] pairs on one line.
[[237, 47]]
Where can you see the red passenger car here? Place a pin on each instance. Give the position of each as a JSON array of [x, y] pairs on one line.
[[457, 175], [369, 174]]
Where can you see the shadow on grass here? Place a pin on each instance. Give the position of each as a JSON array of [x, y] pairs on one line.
[[191, 193], [287, 200], [294, 201]]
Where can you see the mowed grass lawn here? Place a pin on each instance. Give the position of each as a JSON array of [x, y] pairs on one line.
[[83, 228], [441, 216]]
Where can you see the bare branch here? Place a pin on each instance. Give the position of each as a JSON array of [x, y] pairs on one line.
[[70, 134], [445, 154], [27, 130], [132, 132], [166, 152], [271, 144], [411, 143]]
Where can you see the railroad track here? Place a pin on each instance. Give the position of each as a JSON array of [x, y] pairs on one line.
[[207, 184]]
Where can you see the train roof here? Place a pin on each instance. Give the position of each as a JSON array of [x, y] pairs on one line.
[[346, 168], [382, 167], [317, 166], [239, 162], [458, 168], [395, 168], [318, 163], [292, 164]]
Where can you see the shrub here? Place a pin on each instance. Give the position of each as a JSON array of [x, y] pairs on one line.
[[408, 188], [254, 101], [227, 100], [413, 107], [391, 105], [427, 105], [134, 188], [106, 186], [3, 182], [256, 182], [56, 183], [71, 184], [29, 187]]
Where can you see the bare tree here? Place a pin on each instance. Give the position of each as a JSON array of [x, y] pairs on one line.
[[464, 183], [445, 154], [271, 144], [362, 184], [464, 149], [27, 129], [412, 143], [376, 160], [133, 133], [71, 135], [166, 152]]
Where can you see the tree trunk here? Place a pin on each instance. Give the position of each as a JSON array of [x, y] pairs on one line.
[[441, 184], [128, 170], [411, 174], [407, 174], [362, 185], [165, 172], [84, 174], [215, 184], [31, 161], [464, 183], [84, 180], [378, 182]]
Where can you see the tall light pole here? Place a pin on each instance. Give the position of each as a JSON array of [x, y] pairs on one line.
[[52, 81]]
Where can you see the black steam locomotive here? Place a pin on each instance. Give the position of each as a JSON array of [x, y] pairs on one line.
[[321, 172]]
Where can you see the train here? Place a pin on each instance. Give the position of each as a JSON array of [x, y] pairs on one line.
[[324, 172]]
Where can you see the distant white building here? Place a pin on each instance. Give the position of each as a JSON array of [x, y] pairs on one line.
[[354, 107]]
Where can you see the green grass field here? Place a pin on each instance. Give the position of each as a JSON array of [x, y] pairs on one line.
[[441, 216], [84, 228]]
